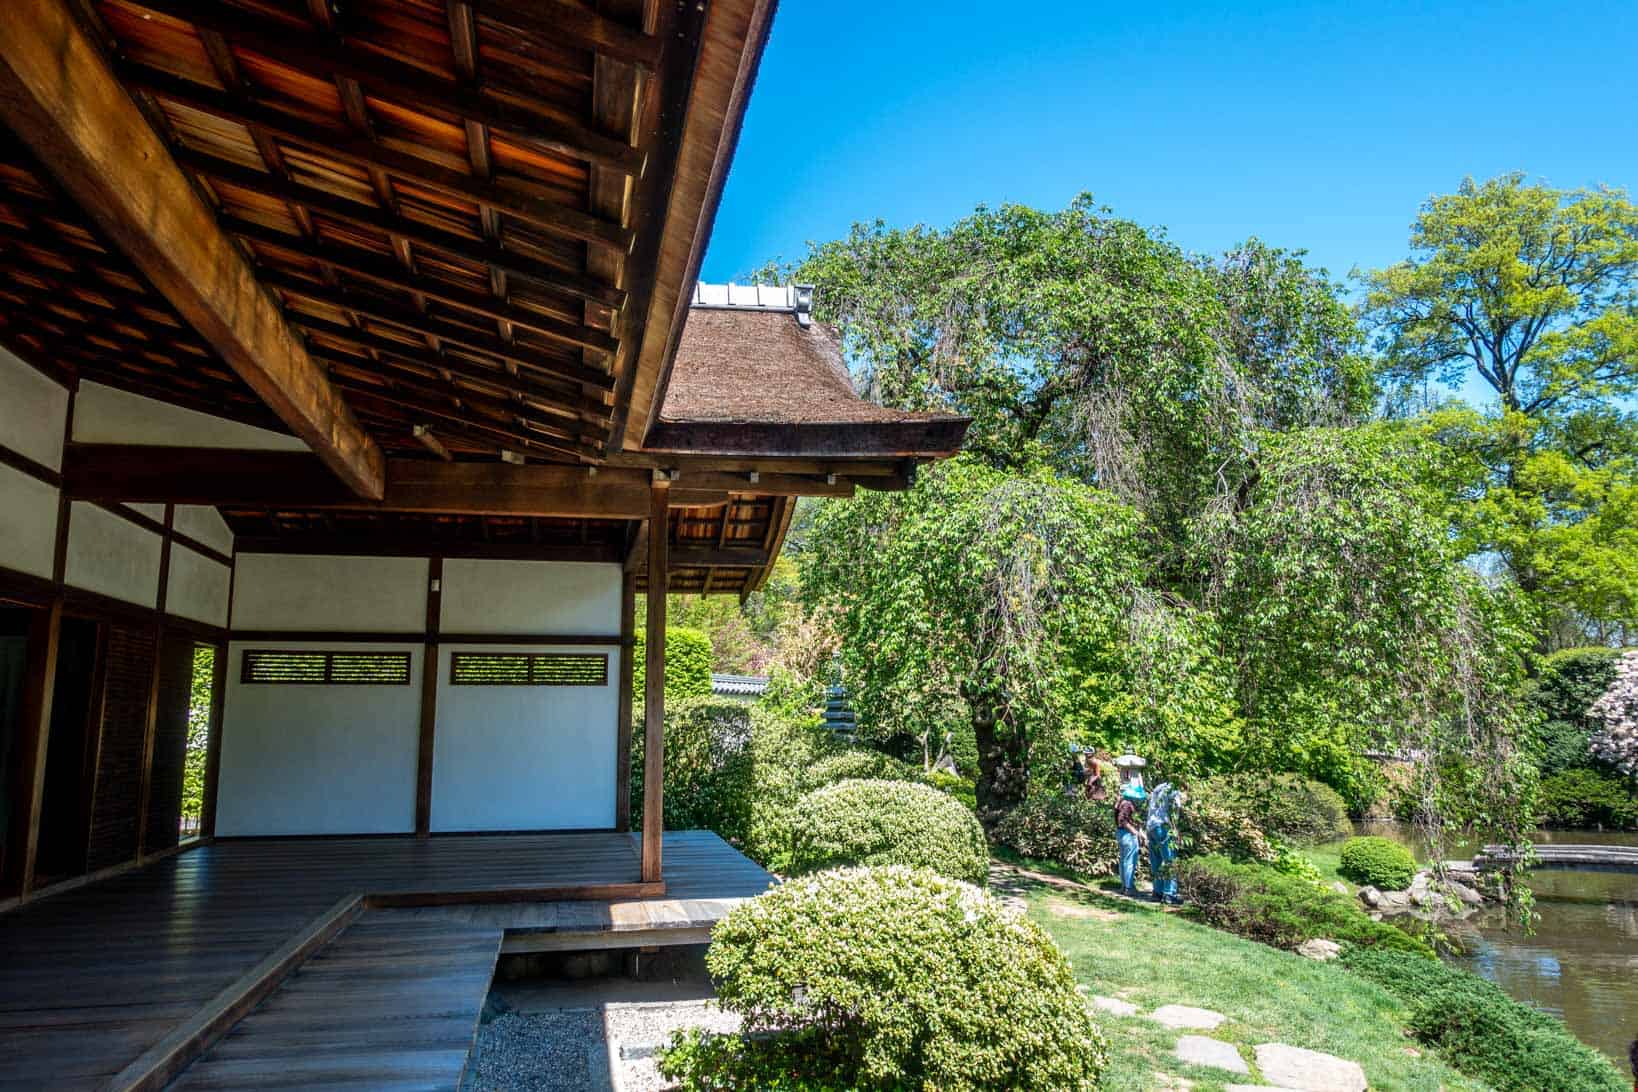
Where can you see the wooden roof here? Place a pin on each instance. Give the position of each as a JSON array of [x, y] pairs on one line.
[[477, 216], [449, 244]]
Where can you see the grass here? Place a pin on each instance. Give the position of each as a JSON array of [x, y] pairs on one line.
[[1152, 958]]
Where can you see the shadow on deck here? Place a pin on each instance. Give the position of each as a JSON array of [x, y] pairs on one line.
[[353, 962]]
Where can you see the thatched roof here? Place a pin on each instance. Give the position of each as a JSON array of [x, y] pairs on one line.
[[759, 380]]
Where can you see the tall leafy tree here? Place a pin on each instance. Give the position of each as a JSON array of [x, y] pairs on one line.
[[1085, 341], [1534, 291]]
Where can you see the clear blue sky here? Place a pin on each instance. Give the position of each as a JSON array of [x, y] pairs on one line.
[[1321, 125]]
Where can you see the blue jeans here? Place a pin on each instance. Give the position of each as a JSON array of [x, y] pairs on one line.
[[1128, 843], [1161, 854]]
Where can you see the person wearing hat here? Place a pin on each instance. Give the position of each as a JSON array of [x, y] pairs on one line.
[[1128, 835]]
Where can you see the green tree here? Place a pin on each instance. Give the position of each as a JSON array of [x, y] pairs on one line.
[[1087, 342], [1534, 290], [1014, 600]]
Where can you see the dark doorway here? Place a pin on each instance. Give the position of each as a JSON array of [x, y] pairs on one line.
[[14, 627], [65, 808]]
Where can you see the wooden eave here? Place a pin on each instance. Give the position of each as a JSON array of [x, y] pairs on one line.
[[473, 219]]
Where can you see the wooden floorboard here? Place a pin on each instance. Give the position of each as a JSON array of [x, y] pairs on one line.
[[93, 978], [393, 1002]]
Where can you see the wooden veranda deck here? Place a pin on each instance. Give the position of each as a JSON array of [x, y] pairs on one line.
[[358, 962]]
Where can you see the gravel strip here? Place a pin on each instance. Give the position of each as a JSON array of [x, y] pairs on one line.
[[636, 1032], [560, 1049]]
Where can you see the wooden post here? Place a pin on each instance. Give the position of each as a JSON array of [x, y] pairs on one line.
[[35, 737], [151, 724], [622, 730], [429, 699], [213, 742], [659, 534]]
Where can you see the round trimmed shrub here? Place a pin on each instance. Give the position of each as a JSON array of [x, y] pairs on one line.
[[887, 823], [857, 764], [1065, 830], [1377, 862], [890, 978], [1295, 809]]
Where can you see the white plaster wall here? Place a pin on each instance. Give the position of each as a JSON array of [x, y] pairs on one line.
[[112, 555], [106, 415], [33, 411], [203, 524], [28, 523], [500, 597], [524, 757], [319, 759], [197, 587], [302, 592]]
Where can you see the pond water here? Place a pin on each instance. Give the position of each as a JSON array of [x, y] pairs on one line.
[[1581, 961]]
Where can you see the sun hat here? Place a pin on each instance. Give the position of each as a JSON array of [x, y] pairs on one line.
[[1132, 791]]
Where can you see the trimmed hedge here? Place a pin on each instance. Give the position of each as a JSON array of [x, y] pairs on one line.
[[856, 764], [1261, 903], [887, 823], [1568, 683], [1588, 798], [1378, 862], [687, 664], [889, 978], [1484, 1033], [1065, 830], [1294, 809]]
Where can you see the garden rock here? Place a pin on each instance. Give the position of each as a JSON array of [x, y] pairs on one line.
[[1114, 1006], [1318, 949], [1199, 1050], [1309, 1070], [1184, 1017], [1388, 902], [1252, 1088], [1339, 887]]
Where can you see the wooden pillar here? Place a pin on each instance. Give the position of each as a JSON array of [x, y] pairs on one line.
[[151, 723], [429, 699], [622, 744], [213, 742], [34, 739], [659, 535]]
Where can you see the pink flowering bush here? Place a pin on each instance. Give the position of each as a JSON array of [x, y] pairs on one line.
[[1616, 740]]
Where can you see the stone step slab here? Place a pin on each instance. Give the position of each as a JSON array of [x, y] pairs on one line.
[[1203, 1051], [1308, 1070]]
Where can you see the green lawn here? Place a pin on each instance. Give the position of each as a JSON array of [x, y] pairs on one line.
[[1153, 958]]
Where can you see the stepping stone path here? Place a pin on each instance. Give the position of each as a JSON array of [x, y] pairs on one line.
[[1183, 1017], [1293, 1067], [1199, 1050], [1114, 1006]]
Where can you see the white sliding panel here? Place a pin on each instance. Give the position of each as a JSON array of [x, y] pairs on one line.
[[319, 759]]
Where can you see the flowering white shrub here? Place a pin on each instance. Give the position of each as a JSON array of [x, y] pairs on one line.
[[1616, 741], [890, 978], [887, 823]]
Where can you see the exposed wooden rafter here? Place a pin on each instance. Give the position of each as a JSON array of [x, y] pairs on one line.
[[59, 95]]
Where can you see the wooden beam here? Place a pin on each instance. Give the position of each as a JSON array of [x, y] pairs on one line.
[[60, 96], [726, 557], [568, 395], [695, 128], [622, 722], [430, 441], [511, 196], [925, 438], [34, 738], [429, 699], [443, 329], [150, 716], [313, 53], [659, 537], [555, 20], [213, 743], [361, 264], [257, 479], [481, 252]]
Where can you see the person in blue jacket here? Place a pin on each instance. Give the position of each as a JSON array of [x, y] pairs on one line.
[[1164, 803]]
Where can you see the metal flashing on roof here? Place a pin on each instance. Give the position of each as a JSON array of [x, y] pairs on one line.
[[796, 299]]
